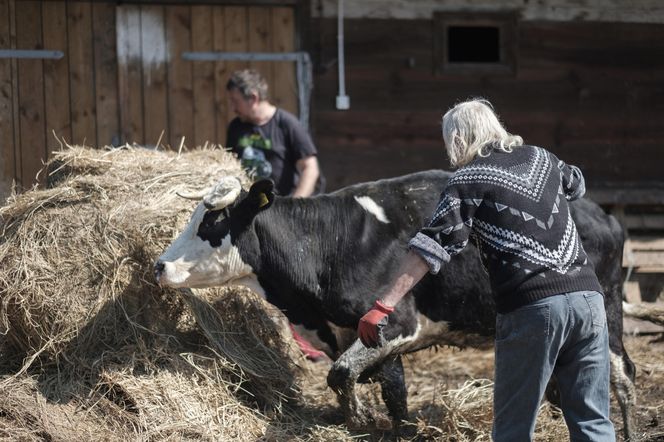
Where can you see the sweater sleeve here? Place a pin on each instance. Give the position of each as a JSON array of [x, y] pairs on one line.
[[448, 231], [571, 178]]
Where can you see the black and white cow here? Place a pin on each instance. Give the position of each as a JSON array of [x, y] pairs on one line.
[[324, 261]]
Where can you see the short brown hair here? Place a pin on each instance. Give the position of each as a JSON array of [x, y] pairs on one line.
[[248, 82]]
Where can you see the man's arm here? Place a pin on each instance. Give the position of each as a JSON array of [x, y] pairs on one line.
[[309, 173], [412, 270], [446, 234]]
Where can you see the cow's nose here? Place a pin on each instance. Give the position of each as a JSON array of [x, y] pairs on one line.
[[158, 269]]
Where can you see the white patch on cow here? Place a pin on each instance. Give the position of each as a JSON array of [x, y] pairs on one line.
[[370, 206], [194, 263]]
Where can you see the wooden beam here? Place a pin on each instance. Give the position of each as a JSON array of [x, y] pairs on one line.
[[106, 73], [627, 194], [180, 89], [645, 255], [128, 19], [210, 2], [203, 77], [154, 62], [259, 35], [7, 122], [220, 74], [56, 75], [283, 40], [30, 77], [81, 83], [235, 40]]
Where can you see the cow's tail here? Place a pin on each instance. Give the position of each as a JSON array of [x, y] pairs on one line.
[[623, 371]]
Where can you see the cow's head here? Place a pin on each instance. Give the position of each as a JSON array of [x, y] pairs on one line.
[[205, 254]]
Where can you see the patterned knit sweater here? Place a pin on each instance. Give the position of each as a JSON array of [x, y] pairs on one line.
[[515, 206]]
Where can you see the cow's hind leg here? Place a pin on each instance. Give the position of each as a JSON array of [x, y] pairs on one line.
[[342, 379]]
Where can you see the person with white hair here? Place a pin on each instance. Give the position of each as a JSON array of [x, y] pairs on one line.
[[511, 199]]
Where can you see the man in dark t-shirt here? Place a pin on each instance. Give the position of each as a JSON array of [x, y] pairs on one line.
[[270, 142]]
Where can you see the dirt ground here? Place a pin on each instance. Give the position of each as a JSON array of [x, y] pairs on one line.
[[437, 379]]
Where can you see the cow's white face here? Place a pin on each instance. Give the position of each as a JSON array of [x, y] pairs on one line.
[[204, 255], [194, 262]]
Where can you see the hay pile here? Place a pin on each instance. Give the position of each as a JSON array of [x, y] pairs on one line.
[[89, 343]]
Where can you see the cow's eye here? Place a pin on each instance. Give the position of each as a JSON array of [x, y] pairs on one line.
[[211, 218], [214, 227]]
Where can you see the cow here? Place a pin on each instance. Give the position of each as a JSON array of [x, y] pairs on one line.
[[324, 260]]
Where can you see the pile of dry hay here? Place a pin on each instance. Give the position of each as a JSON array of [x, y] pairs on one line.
[[91, 349], [85, 331]]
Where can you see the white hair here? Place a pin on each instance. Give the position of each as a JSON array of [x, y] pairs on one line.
[[472, 128]]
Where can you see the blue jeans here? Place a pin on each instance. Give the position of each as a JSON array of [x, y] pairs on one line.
[[565, 336]]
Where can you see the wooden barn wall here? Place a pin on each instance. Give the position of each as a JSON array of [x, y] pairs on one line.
[[122, 78], [592, 92]]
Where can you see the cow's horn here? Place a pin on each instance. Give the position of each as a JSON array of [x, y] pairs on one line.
[[194, 195], [224, 193]]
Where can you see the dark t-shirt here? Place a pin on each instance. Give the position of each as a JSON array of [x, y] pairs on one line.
[[271, 150]]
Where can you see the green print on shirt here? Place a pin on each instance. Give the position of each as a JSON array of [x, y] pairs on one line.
[[253, 158]]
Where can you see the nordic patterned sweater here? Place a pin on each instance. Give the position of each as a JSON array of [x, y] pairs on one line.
[[515, 207]]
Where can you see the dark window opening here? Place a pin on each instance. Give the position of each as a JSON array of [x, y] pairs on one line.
[[473, 44]]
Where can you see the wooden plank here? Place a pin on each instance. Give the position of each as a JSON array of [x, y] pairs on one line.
[[649, 243], [30, 92], [644, 254], [284, 92], [259, 35], [180, 88], [7, 158], [632, 292], [220, 75], [128, 19], [18, 159], [203, 77], [235, 37], [154, 61], [56, 75], [82, 84], [106, 74]]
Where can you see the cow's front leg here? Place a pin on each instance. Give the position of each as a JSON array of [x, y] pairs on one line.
[[342, 379], [393, 388]]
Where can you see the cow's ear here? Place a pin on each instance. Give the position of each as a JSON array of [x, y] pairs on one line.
[[261, 194]]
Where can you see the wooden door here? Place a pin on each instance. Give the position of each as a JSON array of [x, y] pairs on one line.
[[122, 79]]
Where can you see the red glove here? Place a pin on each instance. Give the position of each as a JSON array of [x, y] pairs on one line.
[[370, 324]]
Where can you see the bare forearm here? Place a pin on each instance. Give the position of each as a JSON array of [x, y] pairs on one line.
[[412, 270], [308, 176]]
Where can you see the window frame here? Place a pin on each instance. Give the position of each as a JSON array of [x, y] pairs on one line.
[[507, 24]]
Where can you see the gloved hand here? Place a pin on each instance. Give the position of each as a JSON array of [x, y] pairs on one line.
[[370, 324]]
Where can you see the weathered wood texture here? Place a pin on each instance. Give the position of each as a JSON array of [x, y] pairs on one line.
[[122, 78], [591, 92], [8, 165]]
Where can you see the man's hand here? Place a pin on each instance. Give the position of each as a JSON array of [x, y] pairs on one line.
[[371, 323]]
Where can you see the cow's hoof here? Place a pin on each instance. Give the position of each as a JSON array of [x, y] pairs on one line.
[[368, 420]]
